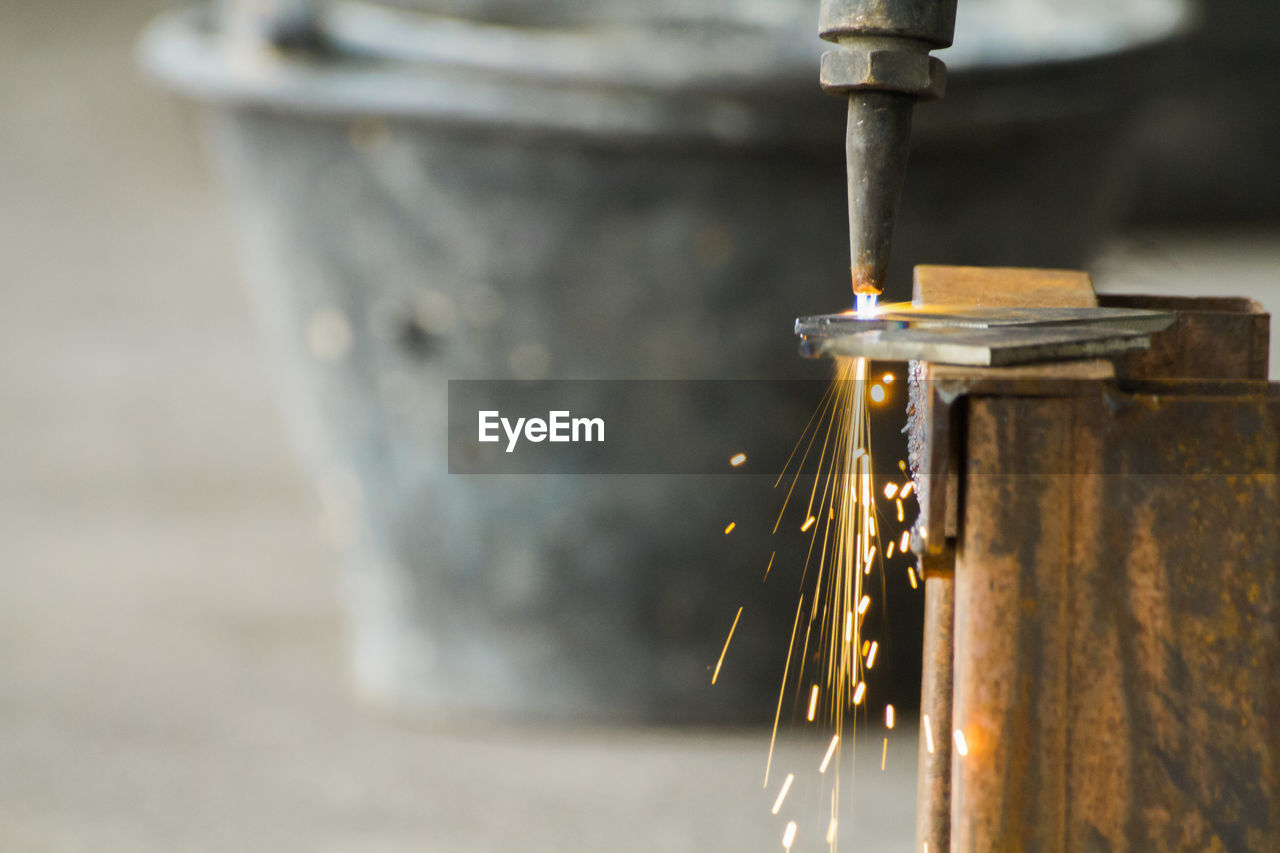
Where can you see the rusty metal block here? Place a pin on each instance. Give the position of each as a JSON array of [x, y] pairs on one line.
[[1104, 589]]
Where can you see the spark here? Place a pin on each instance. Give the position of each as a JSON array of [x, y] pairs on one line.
[[729, 529], [789, 836], [808, 523], [890, 489], [888, 716], [858, 692], [902, 465], [737, 459], [782, 795], [720, 662], [908, 489], [813, 702], [928, 734], [871, 655], [864, 604], [962, 746], [871, 553], [770, 566], [785, 669], [831, 750], [911, 576], [831, 831], [887, 379], [884, 753], [905, 542], [848, 626], [877, 393], [888, 552], [899, 503]]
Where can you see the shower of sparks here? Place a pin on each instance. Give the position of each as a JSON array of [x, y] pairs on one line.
[[831, 750], [962, 745], [841, 557], [729, 529], [727, 639], [928, 732], [888, 716], [836, 499], [782, 795]]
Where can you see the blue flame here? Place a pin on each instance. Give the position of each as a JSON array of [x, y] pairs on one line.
[[864, 304]]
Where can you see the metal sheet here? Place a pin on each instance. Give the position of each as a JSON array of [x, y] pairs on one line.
[[994, 347], [895, 317]]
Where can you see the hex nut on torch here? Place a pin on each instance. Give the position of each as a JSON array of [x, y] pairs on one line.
[[850, 69]]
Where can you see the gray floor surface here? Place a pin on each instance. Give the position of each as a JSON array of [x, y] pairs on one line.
[[171, 641]]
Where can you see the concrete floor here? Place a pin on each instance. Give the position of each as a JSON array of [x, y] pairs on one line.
[[171, 644]]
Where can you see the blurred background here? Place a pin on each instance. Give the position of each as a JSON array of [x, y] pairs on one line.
[[244, 605]]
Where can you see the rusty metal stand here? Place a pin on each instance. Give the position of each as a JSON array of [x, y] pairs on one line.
[[1101, 546]]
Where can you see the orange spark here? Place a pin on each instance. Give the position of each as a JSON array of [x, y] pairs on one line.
[[782, 795], [831, 750], [720, 662]]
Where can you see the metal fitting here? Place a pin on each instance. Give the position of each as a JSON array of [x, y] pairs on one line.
[[851, 68]]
